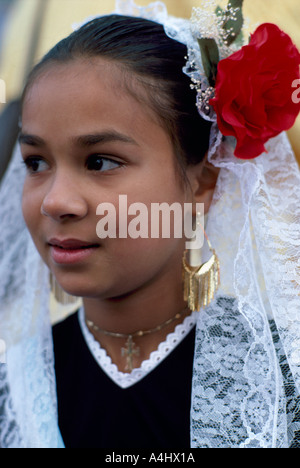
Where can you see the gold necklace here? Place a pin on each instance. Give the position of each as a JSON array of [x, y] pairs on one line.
[[130, 350]]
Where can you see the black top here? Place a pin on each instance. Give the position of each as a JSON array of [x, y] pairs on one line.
[[94, 412]]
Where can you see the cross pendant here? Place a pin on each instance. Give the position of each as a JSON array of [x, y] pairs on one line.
[[129, 351]]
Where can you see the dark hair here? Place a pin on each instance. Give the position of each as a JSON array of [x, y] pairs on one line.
[[141, 46]]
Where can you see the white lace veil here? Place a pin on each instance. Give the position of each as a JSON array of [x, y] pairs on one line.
[[246, 380]]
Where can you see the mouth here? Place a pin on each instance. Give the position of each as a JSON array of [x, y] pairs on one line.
[[70, 251]]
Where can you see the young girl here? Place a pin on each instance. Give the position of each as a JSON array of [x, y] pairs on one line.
[[109, 112]]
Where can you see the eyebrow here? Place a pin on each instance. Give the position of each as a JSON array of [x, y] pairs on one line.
[[83, 140], [30, 140], [105, 137]]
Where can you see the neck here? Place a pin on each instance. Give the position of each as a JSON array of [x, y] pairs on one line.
[[143, 309]]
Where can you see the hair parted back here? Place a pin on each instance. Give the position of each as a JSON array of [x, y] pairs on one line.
[[142, 47]]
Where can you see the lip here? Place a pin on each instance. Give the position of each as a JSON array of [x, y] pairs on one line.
[[70, 251]]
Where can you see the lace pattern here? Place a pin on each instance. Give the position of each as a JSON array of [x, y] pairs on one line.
[[125, 380], [28, 416], [239, 393], [234, 394]]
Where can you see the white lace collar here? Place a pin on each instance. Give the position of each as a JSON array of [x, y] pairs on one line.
[[125, 380]]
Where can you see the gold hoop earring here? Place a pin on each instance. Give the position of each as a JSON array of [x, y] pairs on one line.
[[200, 283], [59, 294]]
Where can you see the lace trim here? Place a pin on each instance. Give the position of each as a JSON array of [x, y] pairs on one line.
[[125, 380]]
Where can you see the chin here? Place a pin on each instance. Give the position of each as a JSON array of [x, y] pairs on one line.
[[86, 290]]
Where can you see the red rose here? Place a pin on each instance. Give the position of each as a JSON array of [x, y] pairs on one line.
[[253, 97]]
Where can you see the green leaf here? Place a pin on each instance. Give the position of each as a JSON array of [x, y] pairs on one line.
[[210, 58], [233, 27]]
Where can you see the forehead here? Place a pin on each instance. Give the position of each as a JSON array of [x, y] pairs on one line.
[[83, 94]]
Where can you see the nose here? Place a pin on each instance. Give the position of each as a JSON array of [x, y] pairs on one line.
[[64, 200]]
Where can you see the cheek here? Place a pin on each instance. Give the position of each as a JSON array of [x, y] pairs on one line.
[[149, 240], [133, 263], [31, 207]]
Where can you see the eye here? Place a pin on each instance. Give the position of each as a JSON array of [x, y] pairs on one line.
[[97, 162], [35, 165]]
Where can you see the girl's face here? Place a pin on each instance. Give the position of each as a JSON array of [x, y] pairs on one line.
[[85, 141]]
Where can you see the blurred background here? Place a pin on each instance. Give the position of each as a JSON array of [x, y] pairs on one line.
[[29, 28]]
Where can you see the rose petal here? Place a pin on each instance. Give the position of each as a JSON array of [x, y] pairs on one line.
[[253, 90], [249, 148]]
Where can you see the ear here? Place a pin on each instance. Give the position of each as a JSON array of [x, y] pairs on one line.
[[202, 179]]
